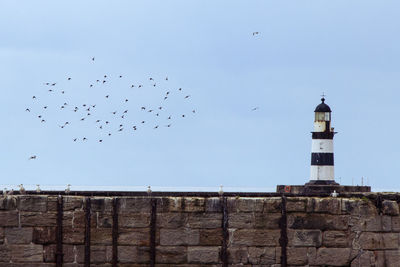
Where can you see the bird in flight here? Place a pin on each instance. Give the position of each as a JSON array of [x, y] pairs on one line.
[[28, 110], [32, 157], [256, 33], [92, 58], [255, 108]]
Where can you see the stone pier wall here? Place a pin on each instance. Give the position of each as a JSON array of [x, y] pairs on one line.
[[46, 230]]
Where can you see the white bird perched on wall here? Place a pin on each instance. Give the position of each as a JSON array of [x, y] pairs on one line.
[[68, 189], [22, 189], [38, 188], [334, 194], [221, 191], [149, 190]]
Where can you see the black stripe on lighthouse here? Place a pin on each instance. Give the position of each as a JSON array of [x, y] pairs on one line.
[[322, 159]]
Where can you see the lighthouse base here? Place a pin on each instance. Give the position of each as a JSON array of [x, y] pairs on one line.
[[321, 182], [321, 189]]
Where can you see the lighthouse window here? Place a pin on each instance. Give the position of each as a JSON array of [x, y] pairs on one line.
[[319, 116], [327, 116]]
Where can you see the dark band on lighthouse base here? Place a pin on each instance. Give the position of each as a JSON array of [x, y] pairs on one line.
[[322, 159]]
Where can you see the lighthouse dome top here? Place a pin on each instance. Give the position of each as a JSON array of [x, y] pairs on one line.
[[322, 107]]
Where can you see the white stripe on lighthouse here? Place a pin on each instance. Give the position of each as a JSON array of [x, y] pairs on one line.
[[322, 146], [322, 173]]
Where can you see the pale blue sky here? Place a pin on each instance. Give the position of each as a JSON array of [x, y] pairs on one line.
[[347, 49]]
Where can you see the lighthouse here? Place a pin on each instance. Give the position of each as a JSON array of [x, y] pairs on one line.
[[322, 159]]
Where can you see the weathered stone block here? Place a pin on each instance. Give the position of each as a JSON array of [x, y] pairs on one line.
[[254, 220], [297, 256], [72, 203], [332, 257], [238, 255], [364, 259], [69, 251], [324, 205], [103, 204], [26, 253], [194, 204], [172, 255], [390, 208], [262, 255], [5, 253], [38, 219], [134, 220], [104, 220], [213, 204], [134, 205], [392, 258], [44, 235], [210, 237], [133, 254], [305, 238], [32, 203], [172, 220], [318, 221], [376, 241], [254, 237], [296, 204], [100, 254], [396, 224], [338, 239], [203, 254], [101, 236], [73, 235], [177, 237], [134, 236], [19, 235], [204, 220], [375, 223], [245, 204], [9, 218], [8, 203]]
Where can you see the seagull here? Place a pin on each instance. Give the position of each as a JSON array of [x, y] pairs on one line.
[[82, 119], [105, 76], [42, 121], [62, 92], [132, 86], [154, 85], [45, 107], [160, 108], [150, 110], [165, 98], [32, 157], [149, 190], [194, 111], [334, 194], [187, 96], [123, 117], [120, 76], [169, 117], [75, 139], [120, 130], [100, 140], [183, 116], [28, 110], [107, 96], [38, 188], [134, 128], [121, 125], [254, 109], [155, 127], [143, 108], [84, 105], [180, 89], [69, 79], [104, 81], [92, 58], [140, 85], [84, 139], [151, 79], [126, 111], [169, 125], [91, 85], [221, 191], [98, 120], [53, 84], [33, 97], [167, 93], [107, 122], [255, 33], [68, 189], [40, 116], [114, 112], [143, 121], [22, 189], [109, 134], [166, 78], [126, 100]]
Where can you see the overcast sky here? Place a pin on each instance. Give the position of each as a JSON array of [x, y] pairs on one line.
[[347, 49]]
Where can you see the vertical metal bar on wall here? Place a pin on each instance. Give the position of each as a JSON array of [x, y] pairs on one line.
[[115, 233], [225, 233], [87, 232], [283, 241], [59, 237], [153, 223]]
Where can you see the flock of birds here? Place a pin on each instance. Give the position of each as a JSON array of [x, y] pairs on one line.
[[110, 122]]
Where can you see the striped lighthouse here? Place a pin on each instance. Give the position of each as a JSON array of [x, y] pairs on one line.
[[322, 162]]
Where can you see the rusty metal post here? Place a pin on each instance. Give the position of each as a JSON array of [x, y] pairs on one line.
[[283, 240], [153, 229], [115, 233], [59, 237], [87, 231], [225, 233]]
